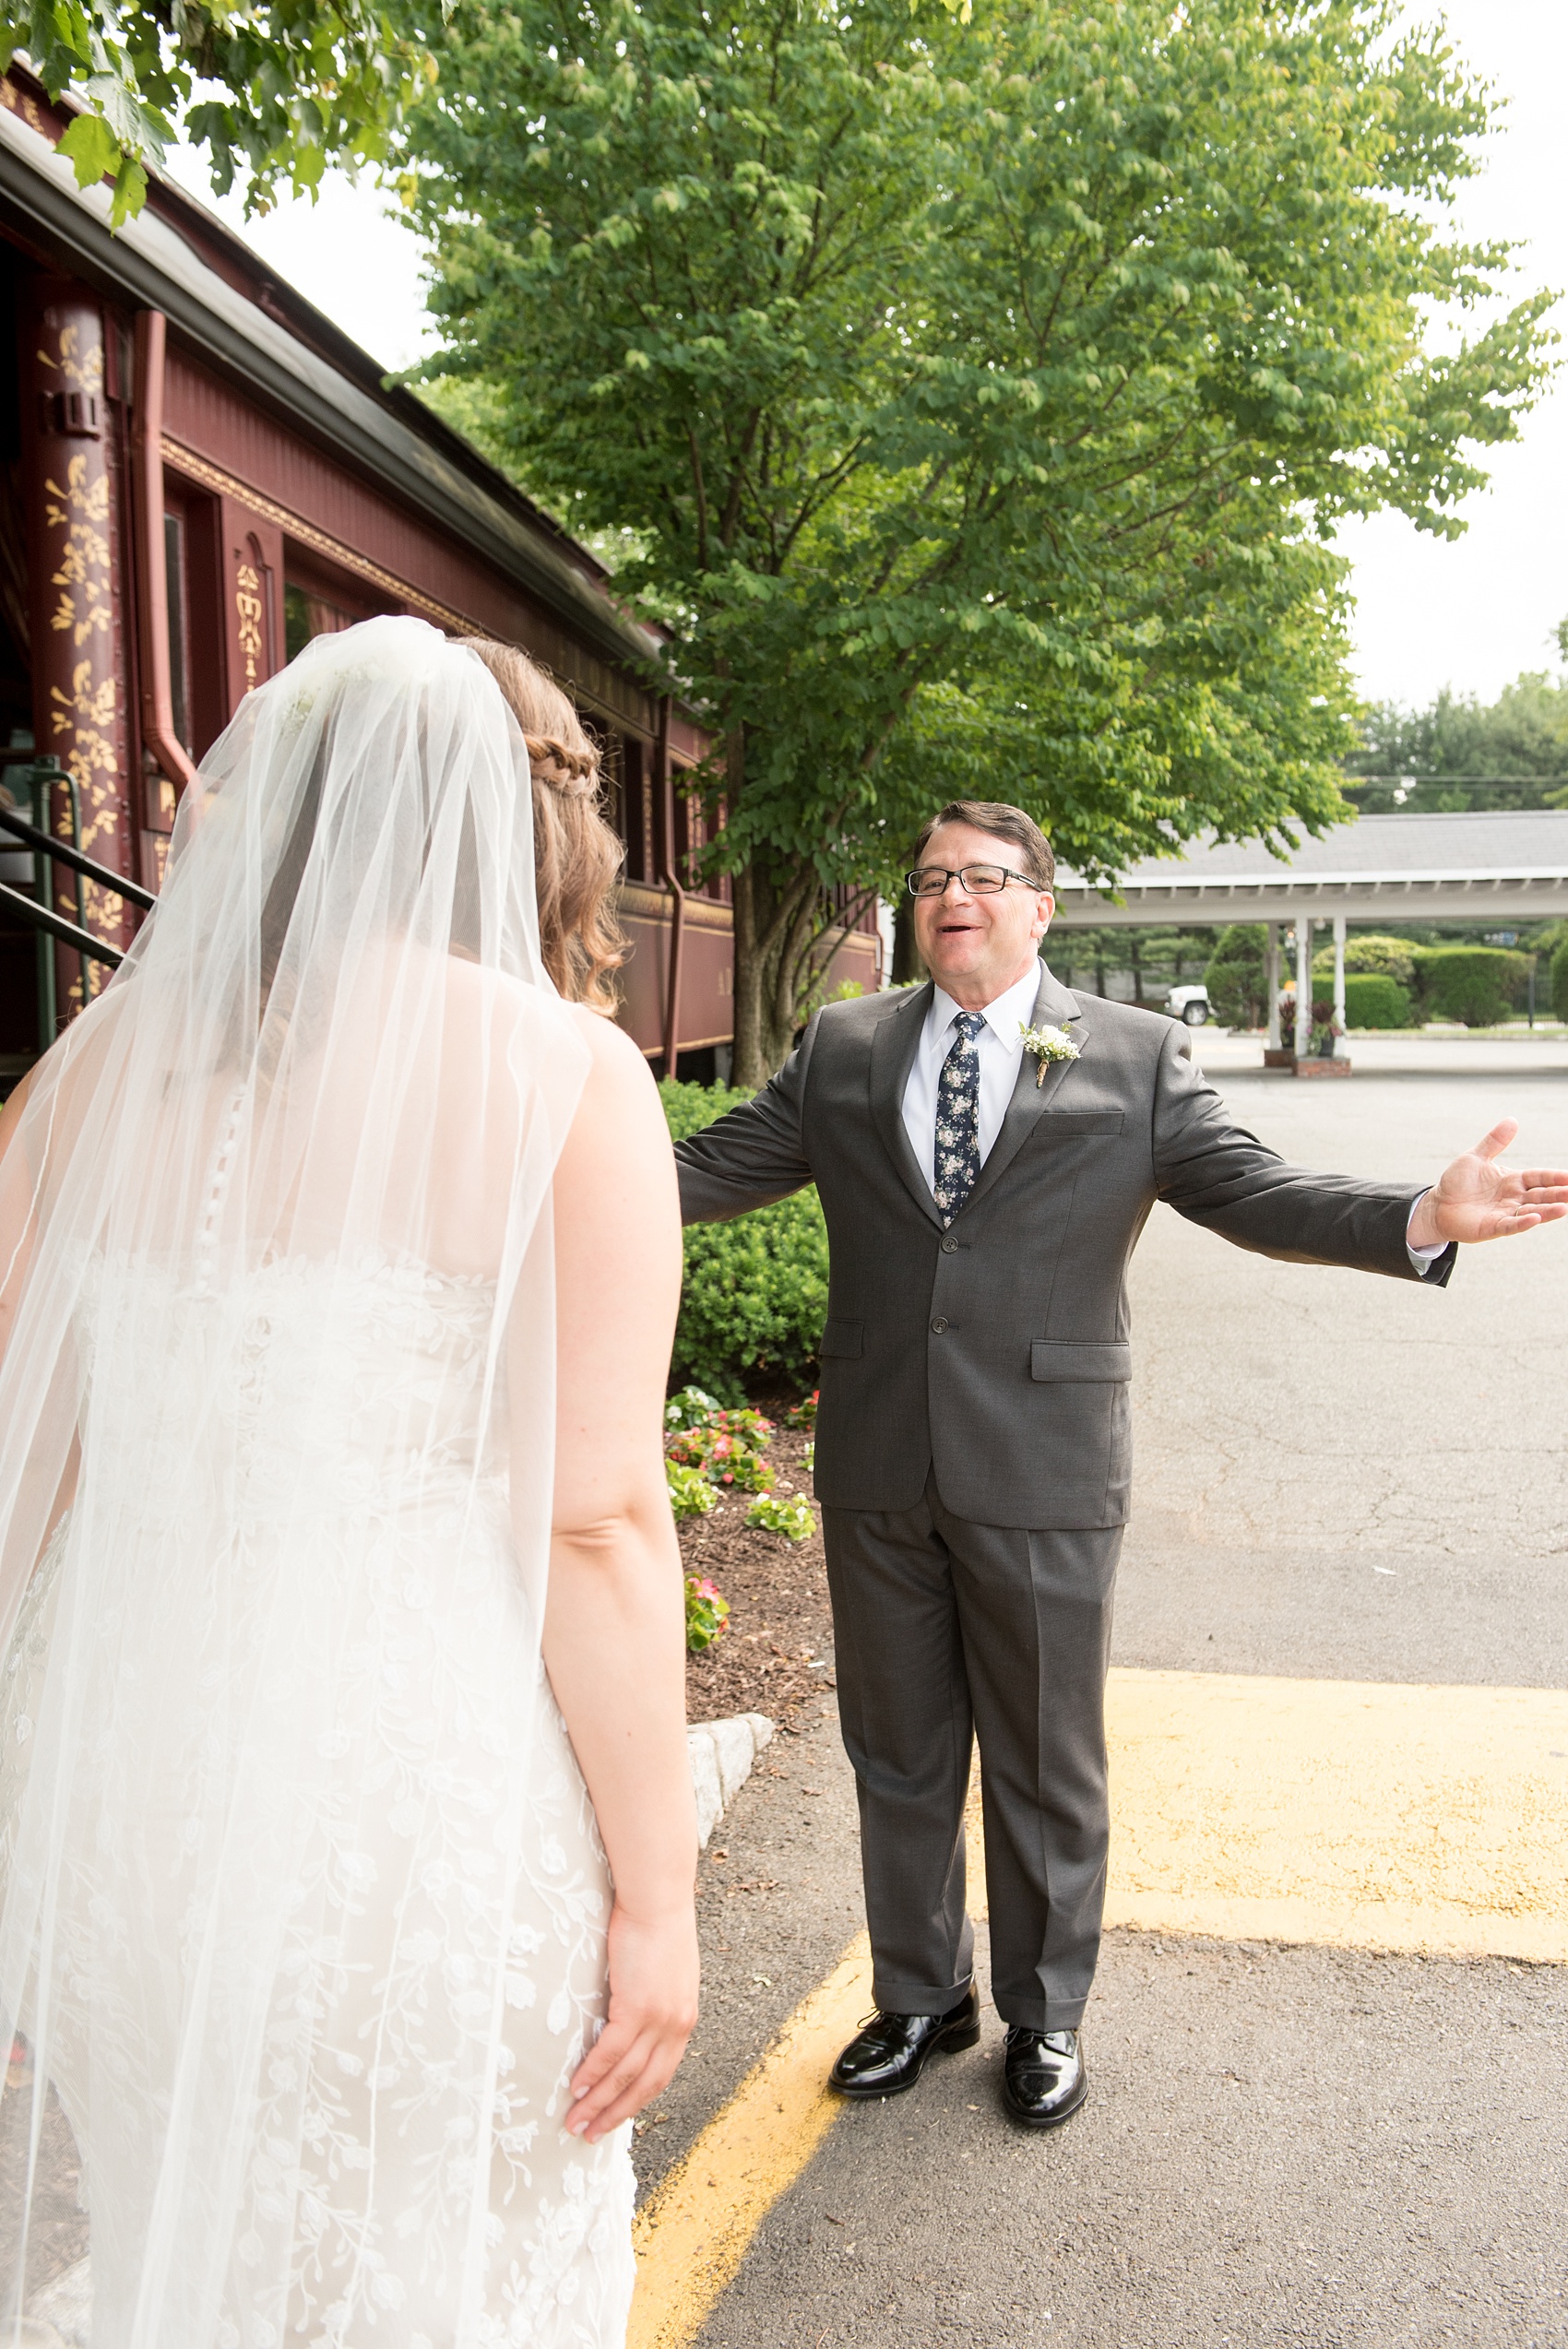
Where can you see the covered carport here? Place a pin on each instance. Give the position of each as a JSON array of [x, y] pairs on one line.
[[1471, 867]]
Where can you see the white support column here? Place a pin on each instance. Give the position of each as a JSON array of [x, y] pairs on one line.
[[1339, 970], [1271, 977], [1303, 985]]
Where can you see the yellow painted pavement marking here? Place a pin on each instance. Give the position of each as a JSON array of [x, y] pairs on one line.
[[1359, 1814], [694, 2229]]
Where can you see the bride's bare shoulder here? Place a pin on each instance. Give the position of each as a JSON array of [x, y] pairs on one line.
[[612, 1048], [620, 1082]]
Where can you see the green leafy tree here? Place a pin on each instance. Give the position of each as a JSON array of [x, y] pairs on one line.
[[1156, 956], [981, 390], [1237, 976], [287, 86], [1462, 752]]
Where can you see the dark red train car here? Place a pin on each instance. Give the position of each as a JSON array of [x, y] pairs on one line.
[[197, 473]]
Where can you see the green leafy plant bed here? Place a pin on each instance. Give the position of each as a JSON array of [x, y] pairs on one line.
[[775, 1650], [755, 1290]]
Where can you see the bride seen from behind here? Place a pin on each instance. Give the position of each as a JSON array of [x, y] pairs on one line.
[[339, 1598]]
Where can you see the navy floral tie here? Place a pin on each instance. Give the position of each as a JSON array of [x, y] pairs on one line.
[[957, 1118]]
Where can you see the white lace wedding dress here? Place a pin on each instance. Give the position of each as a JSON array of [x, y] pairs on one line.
[[301, 1903], [330, 1936]]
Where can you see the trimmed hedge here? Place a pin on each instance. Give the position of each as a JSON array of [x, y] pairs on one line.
[[1559, 980], [1477, 984], [1374, 1000], [755, 1292], [1366, 951]]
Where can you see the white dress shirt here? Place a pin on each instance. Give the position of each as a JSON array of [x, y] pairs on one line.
[[1000, 1047]]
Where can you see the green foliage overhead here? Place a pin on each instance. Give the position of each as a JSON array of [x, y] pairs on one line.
[[756, 1291], [285, 86], [982, 388], [1462, 752]]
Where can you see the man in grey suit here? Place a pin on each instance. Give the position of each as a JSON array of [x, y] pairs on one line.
[[984, 1189]]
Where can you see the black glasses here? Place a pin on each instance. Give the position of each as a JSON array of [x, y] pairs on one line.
[[980, 880]]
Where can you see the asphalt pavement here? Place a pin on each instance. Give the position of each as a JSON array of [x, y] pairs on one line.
[[1339, 1479]]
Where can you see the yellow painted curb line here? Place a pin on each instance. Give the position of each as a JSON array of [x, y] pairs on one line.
[[1362, 1814], [695, 2228]]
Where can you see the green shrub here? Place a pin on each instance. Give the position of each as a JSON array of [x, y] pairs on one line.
[[1476, 984], [755, 1290], [1236, 976], [1365, 950], [1374, 1000], [688, 1108], [794, 1519], [1559, 980]]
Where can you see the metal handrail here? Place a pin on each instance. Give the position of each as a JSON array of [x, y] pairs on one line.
[[44, 774], [63, 853], [45, 918]]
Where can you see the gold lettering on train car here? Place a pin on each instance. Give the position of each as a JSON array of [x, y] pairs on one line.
[[251, 611]]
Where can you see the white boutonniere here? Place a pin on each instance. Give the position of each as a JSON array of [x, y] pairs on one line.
[[1047, 1044]]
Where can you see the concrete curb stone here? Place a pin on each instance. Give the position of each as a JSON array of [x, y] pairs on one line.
[[723, 1755]]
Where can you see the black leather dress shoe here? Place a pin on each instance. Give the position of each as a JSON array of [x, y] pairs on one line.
[[1043, 2077], [890, 2054]]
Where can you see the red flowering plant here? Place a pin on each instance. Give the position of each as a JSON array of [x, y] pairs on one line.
[[803, 1414], [708, 1611], [1323, 1029], [727, 1446]]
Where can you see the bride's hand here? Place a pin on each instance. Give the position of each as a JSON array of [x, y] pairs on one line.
[[653, 2005]]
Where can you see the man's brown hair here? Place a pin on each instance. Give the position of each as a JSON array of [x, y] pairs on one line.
[[1003, 823]]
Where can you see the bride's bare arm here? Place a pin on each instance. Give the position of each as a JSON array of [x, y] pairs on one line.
[[614, 1626]]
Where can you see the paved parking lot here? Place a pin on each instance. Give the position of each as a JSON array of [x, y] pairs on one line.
[[1339, 1480]]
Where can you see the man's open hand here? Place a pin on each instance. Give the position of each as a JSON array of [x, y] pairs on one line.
[[1479, 1198]]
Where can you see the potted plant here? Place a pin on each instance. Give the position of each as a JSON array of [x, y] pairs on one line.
[[1322, 1059]]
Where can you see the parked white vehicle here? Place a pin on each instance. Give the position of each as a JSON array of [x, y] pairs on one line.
[[1189, 1003]]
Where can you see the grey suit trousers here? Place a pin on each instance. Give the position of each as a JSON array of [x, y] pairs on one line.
[[947, 1630]]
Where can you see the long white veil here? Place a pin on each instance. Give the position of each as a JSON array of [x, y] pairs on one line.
[[329, 1083]]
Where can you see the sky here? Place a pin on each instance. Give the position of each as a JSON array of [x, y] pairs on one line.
[[1470, 614]]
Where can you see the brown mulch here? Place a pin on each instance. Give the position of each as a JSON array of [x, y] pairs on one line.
[[779, 1625]]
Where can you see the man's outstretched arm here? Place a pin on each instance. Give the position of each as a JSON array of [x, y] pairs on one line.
[[1216, 1173], [753, 1156]]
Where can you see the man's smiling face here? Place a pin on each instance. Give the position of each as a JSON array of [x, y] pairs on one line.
[[977, 946]]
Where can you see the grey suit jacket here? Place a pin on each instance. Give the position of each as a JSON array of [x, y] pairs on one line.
[[999, 1350]]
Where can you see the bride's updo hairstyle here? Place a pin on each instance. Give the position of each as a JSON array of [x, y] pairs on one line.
[[577, 856]]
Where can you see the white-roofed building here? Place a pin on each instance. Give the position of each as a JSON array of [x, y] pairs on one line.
[[1476, 866]]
